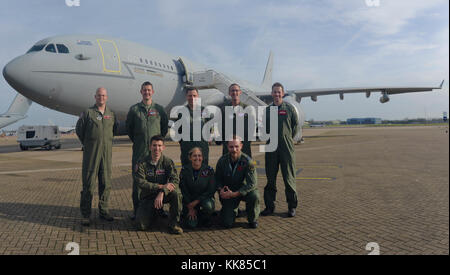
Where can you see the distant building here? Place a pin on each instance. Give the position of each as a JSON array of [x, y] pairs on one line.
[[335, 122], [367, 120]]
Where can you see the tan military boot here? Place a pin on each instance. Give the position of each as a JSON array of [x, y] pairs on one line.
[[176, 230]]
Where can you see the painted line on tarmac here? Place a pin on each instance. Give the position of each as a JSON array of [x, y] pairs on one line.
[[304, 178], [52, 170], [38, 171]]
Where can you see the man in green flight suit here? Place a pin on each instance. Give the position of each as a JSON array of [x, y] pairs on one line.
[[236, 180], [95, 130], [144, 120], [186, 145], [157, 178], [283, 156], [234, 91]]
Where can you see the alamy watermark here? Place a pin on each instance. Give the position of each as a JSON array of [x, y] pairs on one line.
[[73, 247], [248, 120], [72, 3], [374, 248], [373, 3]]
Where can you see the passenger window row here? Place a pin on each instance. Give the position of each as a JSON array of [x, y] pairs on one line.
[[150, 62]]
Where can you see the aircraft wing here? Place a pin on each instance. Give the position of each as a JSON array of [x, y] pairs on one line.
[[313, 93], [6, 120], [16, 111]]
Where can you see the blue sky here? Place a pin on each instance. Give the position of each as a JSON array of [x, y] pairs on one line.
[[316, 44]]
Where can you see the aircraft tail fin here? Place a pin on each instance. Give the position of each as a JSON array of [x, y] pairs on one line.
[[267, 81]]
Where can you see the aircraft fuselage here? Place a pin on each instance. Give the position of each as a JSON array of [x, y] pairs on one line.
[[64, 76]]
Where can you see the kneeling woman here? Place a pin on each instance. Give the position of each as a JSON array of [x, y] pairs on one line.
[[197, 186]]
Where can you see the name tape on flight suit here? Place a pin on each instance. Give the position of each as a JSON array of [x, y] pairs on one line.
[[152, 112]]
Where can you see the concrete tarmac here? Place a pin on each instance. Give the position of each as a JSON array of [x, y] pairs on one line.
[[383, 185]]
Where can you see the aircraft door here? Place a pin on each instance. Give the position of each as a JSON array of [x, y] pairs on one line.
[[187, 74], [110, 56]]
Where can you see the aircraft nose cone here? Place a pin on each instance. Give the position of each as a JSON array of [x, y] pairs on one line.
[[16, 73], [12, 71]]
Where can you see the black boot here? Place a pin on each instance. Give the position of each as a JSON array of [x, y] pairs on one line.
[[267, 211]]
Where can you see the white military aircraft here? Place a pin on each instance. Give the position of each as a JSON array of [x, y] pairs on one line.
[[62, 73]]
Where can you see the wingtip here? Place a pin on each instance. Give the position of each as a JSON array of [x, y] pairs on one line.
[[442, 84]]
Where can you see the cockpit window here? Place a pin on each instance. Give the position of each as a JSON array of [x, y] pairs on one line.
[[36, 48], [62, 48], [50, 48]]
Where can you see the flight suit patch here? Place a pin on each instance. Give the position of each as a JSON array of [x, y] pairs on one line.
[[282, 112], [160, 172], [150, 172], [152, 112], [241, 165], [107, 117], [204, 173], [210, 171]]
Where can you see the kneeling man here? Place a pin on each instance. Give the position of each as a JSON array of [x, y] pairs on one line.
[[236, 180], [157, 179]]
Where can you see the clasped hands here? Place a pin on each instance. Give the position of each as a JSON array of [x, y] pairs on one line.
[[226, 193], [160, 197]]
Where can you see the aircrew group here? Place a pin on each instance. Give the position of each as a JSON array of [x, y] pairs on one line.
[[190, 194]]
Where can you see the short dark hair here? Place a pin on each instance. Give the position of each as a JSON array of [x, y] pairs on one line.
[[188, 89], [235, 137], [156, 138], [146, 83], [234, 84], [278, 84]]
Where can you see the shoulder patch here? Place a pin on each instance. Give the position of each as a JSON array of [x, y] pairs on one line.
[[210, 170], [204, 173]]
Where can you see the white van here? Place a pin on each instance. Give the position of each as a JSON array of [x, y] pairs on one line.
[[39, 136]]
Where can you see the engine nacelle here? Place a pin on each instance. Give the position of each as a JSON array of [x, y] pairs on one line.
[[384, 98], [301, 116]]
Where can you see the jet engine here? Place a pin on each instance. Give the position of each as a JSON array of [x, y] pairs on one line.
[[384, 98]]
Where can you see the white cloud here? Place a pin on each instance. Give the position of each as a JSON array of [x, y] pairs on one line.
[[390, 17]]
